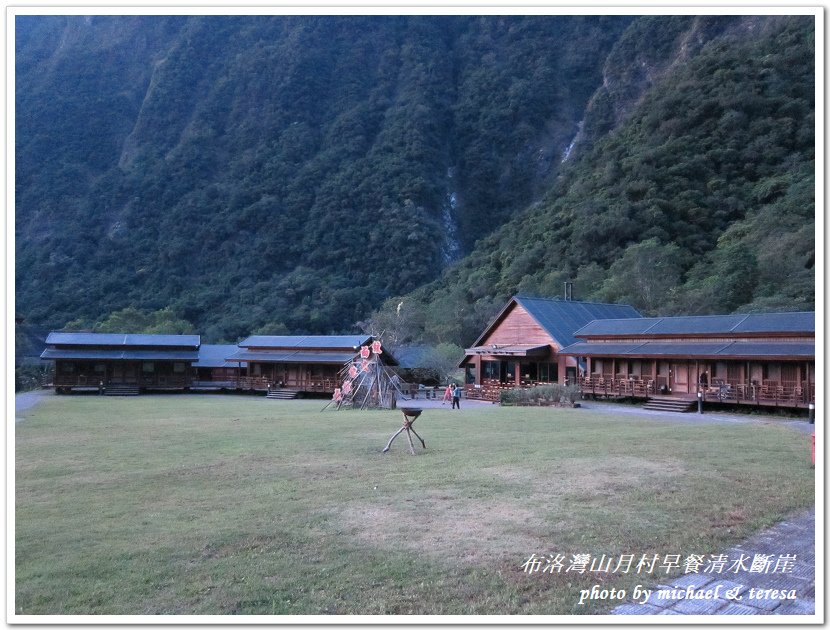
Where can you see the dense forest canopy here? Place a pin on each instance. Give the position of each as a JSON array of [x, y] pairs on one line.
[[293, 174]]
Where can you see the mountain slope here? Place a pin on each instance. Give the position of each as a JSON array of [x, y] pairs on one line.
[[700, 201], [279, 173]]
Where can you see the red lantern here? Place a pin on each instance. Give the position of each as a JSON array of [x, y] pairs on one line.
[[365, 366], [364, 352], [347, 387], [353, 371], [376, 347], [337, 395]]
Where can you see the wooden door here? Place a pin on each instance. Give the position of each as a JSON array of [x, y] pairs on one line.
[[123, 372], [680, 378]]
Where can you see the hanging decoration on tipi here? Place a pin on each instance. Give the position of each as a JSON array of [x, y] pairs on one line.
[[366, 383]]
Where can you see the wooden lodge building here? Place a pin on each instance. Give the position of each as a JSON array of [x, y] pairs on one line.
[[521, 346], [307, 364], [117, 363], [757, 358], [129, 364]]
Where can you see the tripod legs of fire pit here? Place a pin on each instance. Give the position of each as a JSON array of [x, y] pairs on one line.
[[419, 437], [407, 426], [389, 443]]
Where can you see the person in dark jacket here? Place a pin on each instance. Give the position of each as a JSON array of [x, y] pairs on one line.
[[456, 397]]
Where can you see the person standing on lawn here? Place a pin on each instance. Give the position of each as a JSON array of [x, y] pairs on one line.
[[447, 394], [456, 397]]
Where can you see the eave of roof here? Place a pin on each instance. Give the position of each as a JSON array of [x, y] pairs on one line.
[[719, 350], [81, 354], [306, 342], [278, 356], [518, 350]]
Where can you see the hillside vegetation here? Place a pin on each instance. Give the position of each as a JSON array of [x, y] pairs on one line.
[[280, 173], [277, 174], [702, 201]]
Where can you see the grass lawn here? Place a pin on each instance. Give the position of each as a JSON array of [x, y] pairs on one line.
[[241, 505]]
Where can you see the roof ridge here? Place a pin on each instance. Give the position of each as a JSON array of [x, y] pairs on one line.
[[560, 300]]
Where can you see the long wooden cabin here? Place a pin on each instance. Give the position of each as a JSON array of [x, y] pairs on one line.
[[308, 364], [121, 363], [759, 358], [521, 346]]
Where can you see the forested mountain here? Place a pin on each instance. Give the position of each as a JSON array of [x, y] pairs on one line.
[[700, 199], [280, 173], [283, 174]]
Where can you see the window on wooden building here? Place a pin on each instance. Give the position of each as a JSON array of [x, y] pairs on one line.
[[490, 370], [470, 374], [99, 368], [67, 367], [549, 372], [148, 367], [178, 368]]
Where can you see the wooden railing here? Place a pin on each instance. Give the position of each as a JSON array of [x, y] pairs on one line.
[[619, 387], [260, 383], [172, 381], [783, 394]]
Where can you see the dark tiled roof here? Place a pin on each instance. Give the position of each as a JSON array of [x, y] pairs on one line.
[[725, 350], [92, 354], [345, 342], [753, 323], [215, 356], [339, 358], [561, 318], [118, 339], [411, 357]]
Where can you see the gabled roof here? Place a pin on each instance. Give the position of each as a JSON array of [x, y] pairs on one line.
[[306, 342], [121, 340], [562, 318], [748, 324]]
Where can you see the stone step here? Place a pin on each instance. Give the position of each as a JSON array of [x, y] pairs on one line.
[[669, 404], [121, 390], [281, 394]]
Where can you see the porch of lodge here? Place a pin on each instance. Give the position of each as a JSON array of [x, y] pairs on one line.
[[796, 394], [487, 376], [89, 375]]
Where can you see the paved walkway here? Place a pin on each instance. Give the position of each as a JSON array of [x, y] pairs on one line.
[[695, 418], [26, 400], [745, 592]]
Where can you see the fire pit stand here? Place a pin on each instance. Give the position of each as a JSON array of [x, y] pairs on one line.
[[410, 415]]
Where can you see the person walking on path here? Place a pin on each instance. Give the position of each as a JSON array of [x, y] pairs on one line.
[[447, 394], [456, 397]]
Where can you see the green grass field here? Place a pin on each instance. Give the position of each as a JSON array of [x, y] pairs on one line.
[[240, 505]]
